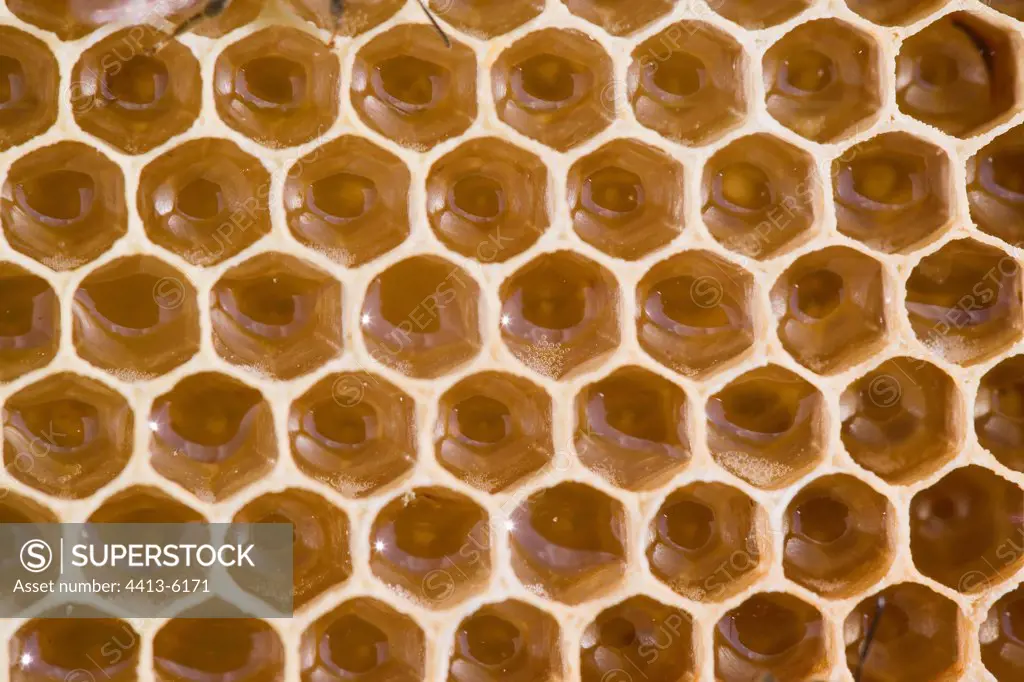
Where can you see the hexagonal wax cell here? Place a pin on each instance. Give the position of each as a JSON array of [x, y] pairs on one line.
[[510, 640], [962, 529], [833, 308], [705, 541], [140, 504], [143, 504], [277, 315], [1002, 637], [360, 15], [477, 18], [999, 412], [759, 195], [638, 634], [568, 542], [774, 635], [67, 435], [686, 82], [757, 14], [559, 313], [136, 317], [45, 649], [891, 191], [964, 301], [237, 14], [694, 313], [69, 20], [626, 198], [837, 538], [411, 88], [957, 75], [212, 435], [915, 637], [241, 649], [822, 79], [349, 200], [631, 428], [15, 509], [29, 323], [363, 639], [278, 86], [553, 85], [205, 200], [995, 187], [766, 426], [65, 229], [899, 419], [28, 97], [321, 557], [493, 430], [132, 97], [354, 432], [432, 545], [488, 199], [620, 19], [74, 19], [898, 12], [420, 317]]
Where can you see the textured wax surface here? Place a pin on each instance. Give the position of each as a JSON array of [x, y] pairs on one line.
[[618, 342]]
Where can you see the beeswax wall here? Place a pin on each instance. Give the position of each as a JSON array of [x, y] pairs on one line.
[[642, 341]]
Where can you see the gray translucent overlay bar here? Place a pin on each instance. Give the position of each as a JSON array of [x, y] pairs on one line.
[[146, 570]]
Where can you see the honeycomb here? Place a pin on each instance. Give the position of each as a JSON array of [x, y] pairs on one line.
[[614, 342]]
